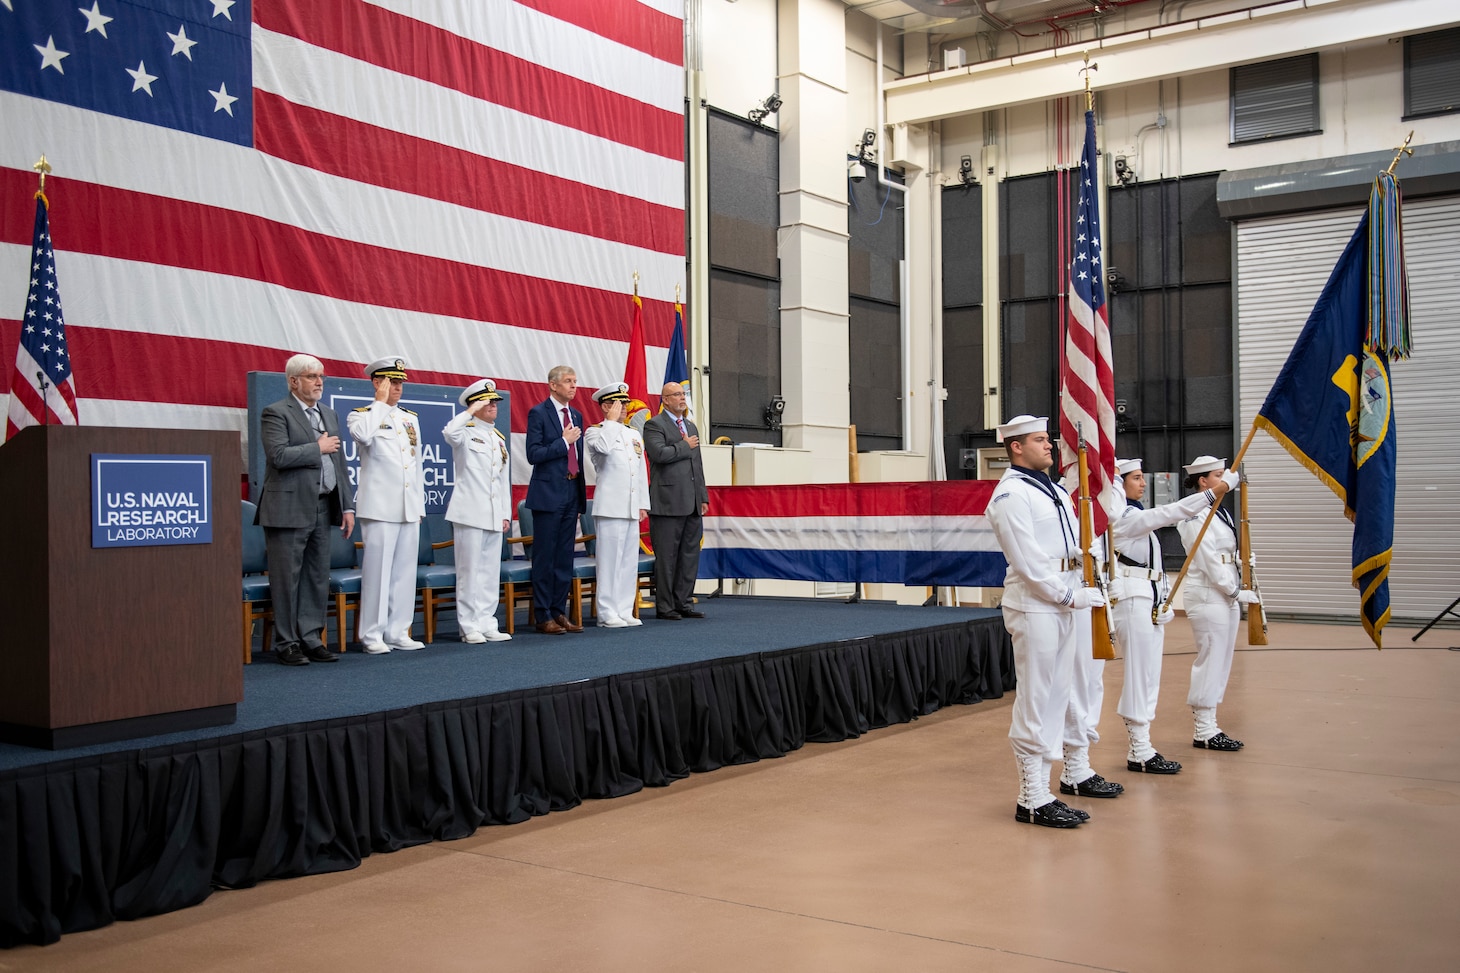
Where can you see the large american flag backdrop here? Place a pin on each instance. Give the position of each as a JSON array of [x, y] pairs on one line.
[[468, 183]]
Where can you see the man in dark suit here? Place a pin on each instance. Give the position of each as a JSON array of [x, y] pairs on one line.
[[678, 500], [306, 491], [556, 495]]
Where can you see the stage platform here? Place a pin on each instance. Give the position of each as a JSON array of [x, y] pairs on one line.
[[327, 764]]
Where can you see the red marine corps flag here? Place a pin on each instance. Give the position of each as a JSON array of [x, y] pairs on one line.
[[1087, 383], [41, 390]]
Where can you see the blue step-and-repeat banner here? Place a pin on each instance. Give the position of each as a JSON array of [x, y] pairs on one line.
[[434, 405]]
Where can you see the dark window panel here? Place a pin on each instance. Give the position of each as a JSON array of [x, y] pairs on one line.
[[876, 374], [745, 355], [1274, 99], [744, 196], [874, 225], [1432, 73], [962, 246]]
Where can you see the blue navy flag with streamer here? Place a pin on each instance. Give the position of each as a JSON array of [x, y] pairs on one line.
[[1332, 406]]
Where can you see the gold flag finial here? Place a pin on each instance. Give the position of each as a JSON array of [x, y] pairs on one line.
[[42, 167], [1089, 95], [1399, 150], [676, 293]]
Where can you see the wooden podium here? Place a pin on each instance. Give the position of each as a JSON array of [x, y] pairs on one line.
[[106, 644]]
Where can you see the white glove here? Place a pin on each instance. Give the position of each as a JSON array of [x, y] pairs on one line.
[[1247, 596], [1231, 478], [1087, 598], [1164, 617]]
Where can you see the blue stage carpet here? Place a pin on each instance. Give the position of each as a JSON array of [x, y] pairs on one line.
[[358, 684]]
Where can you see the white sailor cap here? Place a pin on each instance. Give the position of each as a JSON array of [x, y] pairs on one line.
[[1124, 466], [1022, 426], [615, 392], [482, 388], [1204, 464], [392, 366]]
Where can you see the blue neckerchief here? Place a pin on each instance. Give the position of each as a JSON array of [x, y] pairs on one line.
[[1048, 487]]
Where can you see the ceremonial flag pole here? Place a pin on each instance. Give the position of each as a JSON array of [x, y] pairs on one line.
[[635, 371], [41, 389], [1087, 381], [1332, 404]]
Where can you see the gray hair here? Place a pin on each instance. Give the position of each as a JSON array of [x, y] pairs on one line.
[[558, 371], [300, 364]]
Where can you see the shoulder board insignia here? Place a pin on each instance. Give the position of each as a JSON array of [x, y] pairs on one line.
[[408, 412], [499, 434], [363, 408], [595, 425]]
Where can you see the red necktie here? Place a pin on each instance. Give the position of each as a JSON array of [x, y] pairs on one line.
[[682, 433], [572, 447]]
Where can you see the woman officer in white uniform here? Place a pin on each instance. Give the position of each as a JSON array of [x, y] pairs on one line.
[[620, 501], [1213, 594], [480, 510], [1139, 590]]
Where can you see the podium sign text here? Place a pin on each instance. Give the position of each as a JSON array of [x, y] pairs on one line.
[[150, 500]]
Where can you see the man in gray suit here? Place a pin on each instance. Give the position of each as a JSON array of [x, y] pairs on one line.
[[306, 491], [678, 500]]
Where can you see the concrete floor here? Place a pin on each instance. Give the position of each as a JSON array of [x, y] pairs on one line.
[[1327, 844]]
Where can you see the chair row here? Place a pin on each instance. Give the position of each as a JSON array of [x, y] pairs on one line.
[[435, 577]]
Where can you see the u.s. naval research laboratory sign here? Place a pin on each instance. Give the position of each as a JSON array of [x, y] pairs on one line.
[[140, 501]]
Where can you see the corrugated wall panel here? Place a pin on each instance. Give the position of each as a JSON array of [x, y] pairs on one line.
[[1299, 531]]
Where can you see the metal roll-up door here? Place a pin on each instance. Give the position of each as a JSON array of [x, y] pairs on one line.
[[1299, 531]]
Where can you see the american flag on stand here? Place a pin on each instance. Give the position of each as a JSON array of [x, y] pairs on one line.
[[41, 390], [1087, 385], [466, 182]]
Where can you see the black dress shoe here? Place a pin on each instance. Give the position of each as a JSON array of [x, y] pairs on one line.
[[1219, 742], [1156, 765], [668, 616], [1082, 815], [1051, 815], [1095, 786], [318, 653], [690, 613], [289, 655]]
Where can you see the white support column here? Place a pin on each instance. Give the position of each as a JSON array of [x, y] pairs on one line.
[[815, 371]]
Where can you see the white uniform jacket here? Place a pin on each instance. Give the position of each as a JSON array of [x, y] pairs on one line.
[[482, 497], [392, 484], [1215, 563], [617, 454], [1134, 530], [1038, 530]]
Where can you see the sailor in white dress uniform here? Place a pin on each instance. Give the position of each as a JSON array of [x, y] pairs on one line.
[[480, 510], [1036, 526], [620, 502], [1213, 593], [390, 501], [1140, 589]]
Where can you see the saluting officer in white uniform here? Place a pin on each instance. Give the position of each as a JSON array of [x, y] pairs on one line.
[[1140, 589], [479, 511], [390, 501], [1213, 594], [1038, 530], [620, 502]]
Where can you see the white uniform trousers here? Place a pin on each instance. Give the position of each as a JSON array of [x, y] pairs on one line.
[[1214, 619], [1143, 642], [617, 567], [1087, 697], [478, 578], [1044, 643], [388, 580]]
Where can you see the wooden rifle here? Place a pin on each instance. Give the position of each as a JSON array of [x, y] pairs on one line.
[[1102, 638], [1256, 618]]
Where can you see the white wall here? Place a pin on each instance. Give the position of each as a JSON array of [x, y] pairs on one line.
[[739, 49]]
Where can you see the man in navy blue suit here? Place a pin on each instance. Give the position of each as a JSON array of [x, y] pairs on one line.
[[556, 495]]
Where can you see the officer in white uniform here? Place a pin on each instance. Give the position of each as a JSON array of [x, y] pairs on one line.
[[1140, 589], [620, 502], [1087, 695], [479, 511], [1038, 530], [390, 501], [1213, 594]]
